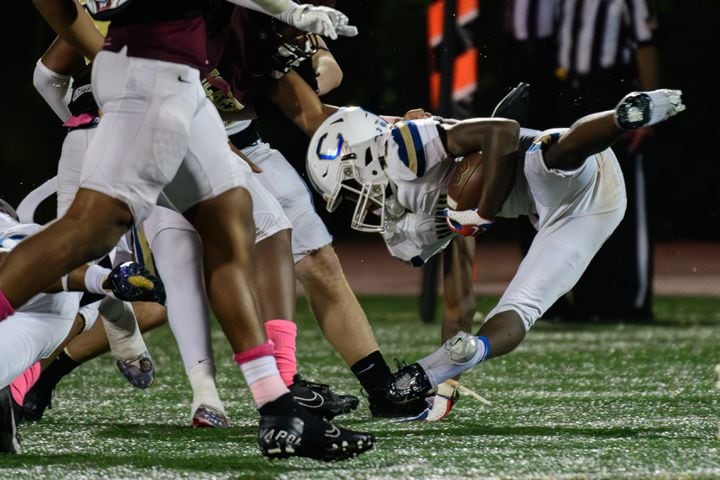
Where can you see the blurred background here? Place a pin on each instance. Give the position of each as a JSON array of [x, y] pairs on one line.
[[387, 69]]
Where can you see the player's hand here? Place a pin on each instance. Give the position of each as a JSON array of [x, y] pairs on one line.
[[466, 222], [324, 21], [416, 114]]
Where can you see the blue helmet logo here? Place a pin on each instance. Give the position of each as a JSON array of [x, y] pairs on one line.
[[330, 156]]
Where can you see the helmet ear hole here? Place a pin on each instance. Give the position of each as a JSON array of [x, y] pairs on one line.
[[368, 157]]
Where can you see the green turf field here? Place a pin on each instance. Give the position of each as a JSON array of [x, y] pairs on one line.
[[575, 401]]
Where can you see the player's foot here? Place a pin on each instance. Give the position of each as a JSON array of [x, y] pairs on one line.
[[9, 417], [37, 400], [318, 399], [409, 384], [140, 371], [132, 282], [381, 407], [208, 417], [440, 404], [297, 433], [642, 109]]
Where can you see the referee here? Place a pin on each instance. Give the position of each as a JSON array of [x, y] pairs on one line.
[[604, 50]]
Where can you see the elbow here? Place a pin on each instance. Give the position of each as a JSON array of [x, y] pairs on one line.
[[508, 133]]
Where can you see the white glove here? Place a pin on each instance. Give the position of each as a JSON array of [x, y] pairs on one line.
[[324, 21]]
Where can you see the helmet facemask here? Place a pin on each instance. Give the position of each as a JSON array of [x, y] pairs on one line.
[[351, 165]]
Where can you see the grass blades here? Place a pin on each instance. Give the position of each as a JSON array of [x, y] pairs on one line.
[[575, 401]]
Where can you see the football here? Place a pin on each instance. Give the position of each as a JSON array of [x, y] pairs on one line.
[[466, 183]]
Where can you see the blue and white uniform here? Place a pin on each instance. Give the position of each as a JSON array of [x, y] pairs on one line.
[[37, 328], [573, 211]]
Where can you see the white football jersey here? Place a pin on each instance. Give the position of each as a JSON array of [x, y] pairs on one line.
[[65, 304], [421, 169]]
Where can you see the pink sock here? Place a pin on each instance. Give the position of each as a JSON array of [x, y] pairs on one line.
[[282, 333], [24, 382], [5, 308], [261, 373]]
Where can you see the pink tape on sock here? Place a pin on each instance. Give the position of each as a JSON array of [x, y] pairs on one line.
[[267, 389], [5, 308], [24, 382], [262, 350], [283, 333]]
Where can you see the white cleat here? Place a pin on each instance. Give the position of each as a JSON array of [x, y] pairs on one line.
[[642, 109], [461, 347]]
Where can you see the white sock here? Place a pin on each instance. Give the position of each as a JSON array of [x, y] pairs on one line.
[[202, 381], [178, 258], [95, 275], [121, 328], [440, 367]]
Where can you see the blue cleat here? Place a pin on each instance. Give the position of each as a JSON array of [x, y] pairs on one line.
[[132, 282], [208, 417], [139, 372]]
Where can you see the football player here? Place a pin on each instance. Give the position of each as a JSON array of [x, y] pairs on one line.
[[38, 328], [292, 68], [159, 130], [566, 180], [176, 251]]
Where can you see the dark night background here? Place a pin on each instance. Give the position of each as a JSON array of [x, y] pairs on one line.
[[386, 70]]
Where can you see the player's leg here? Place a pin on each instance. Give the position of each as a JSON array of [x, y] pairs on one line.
[[594, 133], [177, 252], [209, 189], [336, 309], [458, 292], [25, 338], [275, 289], [91, 227], [89, 344], [131, 157]]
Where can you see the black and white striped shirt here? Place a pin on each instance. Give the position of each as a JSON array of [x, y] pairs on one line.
[[596, 35], [530, 20]]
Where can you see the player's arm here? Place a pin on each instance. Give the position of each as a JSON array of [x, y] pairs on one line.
[[52, 74], [299, 102], [70, 20], [329, 74], [308, 18], [498, 140]]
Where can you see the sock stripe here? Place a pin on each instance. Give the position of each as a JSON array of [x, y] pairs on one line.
[[262, 350]]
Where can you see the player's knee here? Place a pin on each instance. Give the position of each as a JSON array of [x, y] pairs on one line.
[[320, 266]]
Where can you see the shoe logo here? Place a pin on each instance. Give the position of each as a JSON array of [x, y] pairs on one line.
[[365, 369], [316, 401], [180, 79], [334, 432], [271, 435]]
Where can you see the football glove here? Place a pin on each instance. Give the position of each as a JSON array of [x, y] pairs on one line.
[[466, 222], [324, 21]]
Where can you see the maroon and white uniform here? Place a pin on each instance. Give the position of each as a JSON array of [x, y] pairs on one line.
[[158, 129]]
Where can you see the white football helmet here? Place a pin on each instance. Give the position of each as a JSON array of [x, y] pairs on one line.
[[345, 159]]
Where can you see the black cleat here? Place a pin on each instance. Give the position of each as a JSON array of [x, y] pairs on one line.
[[318, 399], [408, 384], [381, 407], [9, 418], [37, 400], [301, 434]]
